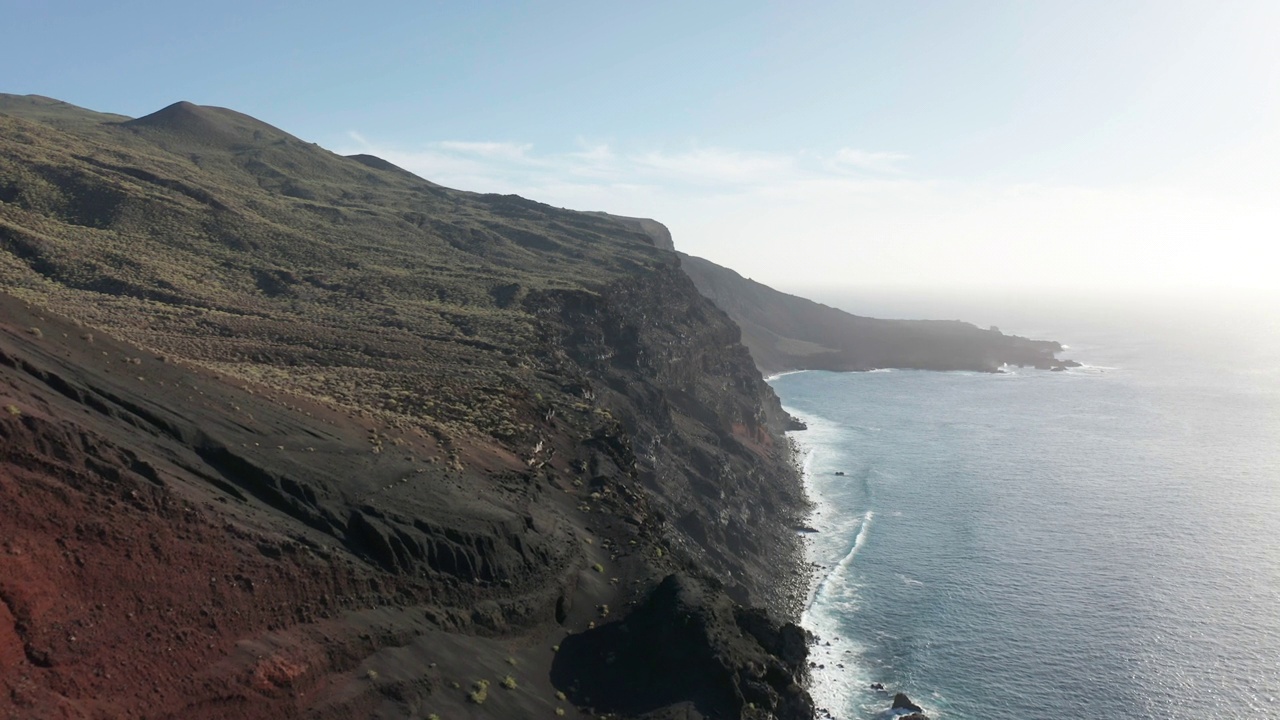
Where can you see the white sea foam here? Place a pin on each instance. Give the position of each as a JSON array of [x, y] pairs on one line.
[[775, 376], [836, 577], [842, 670], [1085, 367], [858, 541]]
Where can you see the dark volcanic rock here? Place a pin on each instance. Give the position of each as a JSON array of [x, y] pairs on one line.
[[688, 643], [902, 702]]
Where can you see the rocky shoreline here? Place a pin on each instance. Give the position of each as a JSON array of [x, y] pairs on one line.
[[900, 705]]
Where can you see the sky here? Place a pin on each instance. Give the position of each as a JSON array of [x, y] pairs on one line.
[[1086, 146]]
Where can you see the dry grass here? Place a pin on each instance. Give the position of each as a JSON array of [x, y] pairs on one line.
[[271, 260]]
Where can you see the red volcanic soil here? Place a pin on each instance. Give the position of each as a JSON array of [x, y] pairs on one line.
[[137, 579], [125, 593], [120, 613]]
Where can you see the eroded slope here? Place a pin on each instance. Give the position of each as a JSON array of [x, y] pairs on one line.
[[298, 434]]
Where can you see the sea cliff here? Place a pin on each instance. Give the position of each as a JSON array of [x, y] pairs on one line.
[[288, 434]]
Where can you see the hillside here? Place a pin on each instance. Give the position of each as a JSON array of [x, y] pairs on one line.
[[786, 332], [289, 434]]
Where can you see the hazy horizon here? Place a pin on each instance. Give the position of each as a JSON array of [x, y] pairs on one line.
[[1096, 145], [1240, 317]]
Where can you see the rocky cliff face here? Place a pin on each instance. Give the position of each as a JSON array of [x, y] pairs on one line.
[[286, 434], [695, 424]]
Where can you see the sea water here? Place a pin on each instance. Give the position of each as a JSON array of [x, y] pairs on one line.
[[1097, 543]]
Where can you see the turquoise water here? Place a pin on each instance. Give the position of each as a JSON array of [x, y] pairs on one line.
[[1098, 543]]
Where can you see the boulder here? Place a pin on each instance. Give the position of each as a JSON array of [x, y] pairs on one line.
[[902, 702]]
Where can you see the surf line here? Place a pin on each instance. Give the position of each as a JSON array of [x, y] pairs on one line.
[[842, 567]]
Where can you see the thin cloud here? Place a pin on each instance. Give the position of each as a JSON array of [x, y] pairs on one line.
[[495, 150], [594, 153], [880, 162], [869, 221], [716, 166], [712, 169]]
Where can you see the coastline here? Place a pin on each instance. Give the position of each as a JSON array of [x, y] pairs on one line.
[[836, 673], [804, 581], [798, 580]]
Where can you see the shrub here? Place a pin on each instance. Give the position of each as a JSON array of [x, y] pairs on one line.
[[479, 692], [509, 682]]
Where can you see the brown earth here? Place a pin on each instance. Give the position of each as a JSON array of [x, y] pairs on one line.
[[141, 579]]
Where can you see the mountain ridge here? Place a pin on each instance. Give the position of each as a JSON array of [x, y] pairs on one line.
[[380, 440]]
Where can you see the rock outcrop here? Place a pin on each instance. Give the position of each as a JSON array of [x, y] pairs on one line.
[[688, 649], [902, 702]]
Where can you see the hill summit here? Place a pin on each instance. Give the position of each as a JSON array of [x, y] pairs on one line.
[[206, 126]]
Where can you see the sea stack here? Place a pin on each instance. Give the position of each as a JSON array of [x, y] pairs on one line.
[[902, 702]]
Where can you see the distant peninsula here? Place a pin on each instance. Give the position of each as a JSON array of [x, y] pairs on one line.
[[785, 332]]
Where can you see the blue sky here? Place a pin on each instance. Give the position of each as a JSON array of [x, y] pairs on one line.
[[1081, 144]]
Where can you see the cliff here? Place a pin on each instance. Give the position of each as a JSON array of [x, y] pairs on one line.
[[288, 434], [786, 332]]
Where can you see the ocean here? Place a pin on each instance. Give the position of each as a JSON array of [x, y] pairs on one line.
[[1097, 543]]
